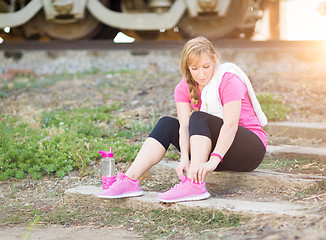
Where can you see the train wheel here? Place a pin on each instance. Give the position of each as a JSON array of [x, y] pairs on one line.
[[4, 7], [83, 29], [106, 32], [86, 28], [148, 35], [247, 27], [214, 27]]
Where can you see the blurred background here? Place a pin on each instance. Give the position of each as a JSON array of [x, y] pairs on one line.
[[298, 19], [136, 20]]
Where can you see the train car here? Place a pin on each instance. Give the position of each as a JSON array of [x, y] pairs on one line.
[[86, 19]]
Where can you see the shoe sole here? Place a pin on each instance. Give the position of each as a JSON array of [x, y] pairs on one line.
[[124, 195], [185, 199]]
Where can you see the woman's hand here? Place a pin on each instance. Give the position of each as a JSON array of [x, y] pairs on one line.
[[182, 166], [198, 172]]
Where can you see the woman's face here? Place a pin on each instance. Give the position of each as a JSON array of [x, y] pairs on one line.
[[202, 70]]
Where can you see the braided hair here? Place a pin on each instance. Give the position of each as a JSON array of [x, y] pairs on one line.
[[191, 53]]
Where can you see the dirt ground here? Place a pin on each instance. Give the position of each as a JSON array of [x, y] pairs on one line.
[[140, 94], [64, 233]]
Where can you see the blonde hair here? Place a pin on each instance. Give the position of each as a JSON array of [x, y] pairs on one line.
[[190, 54]]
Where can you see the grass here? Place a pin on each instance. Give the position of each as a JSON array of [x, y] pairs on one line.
[[273, 106], [26, 82], [152, 223], [31, 82], [295, 166], [65, 140], [318, 188]]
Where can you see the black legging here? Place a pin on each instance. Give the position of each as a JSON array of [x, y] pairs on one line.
[[245, 154]]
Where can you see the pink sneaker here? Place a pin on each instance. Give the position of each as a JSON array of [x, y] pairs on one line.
[[186, 190], [122, 187], [107, 182]]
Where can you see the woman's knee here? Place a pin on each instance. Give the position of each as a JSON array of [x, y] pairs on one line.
[[197, 117], [167, 122], [165, 131], [165, 126], [198, 124]]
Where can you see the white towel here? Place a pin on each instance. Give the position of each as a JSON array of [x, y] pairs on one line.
[[211, 102]]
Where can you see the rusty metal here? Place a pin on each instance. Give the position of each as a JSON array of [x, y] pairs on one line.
[[152, 44]]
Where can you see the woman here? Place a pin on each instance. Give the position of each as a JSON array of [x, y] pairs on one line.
[[226, 134]]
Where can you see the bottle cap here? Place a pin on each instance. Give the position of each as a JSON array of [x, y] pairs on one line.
[[106, 154]]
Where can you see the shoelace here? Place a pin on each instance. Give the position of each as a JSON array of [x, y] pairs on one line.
[[180, 184]]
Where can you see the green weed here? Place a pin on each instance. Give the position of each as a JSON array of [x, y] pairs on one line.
[[317, 188], [31, 227], [273, 106], [169, 223], [152, 223], [300, 165], [66, 141], [172, 153], [30, 82]]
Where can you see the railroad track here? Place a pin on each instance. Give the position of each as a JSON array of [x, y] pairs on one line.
[[149, 45]]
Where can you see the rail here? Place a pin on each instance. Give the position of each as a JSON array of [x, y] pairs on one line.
[[149, 45]]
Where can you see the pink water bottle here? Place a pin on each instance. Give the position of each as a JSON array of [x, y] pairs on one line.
[[107, 168]]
